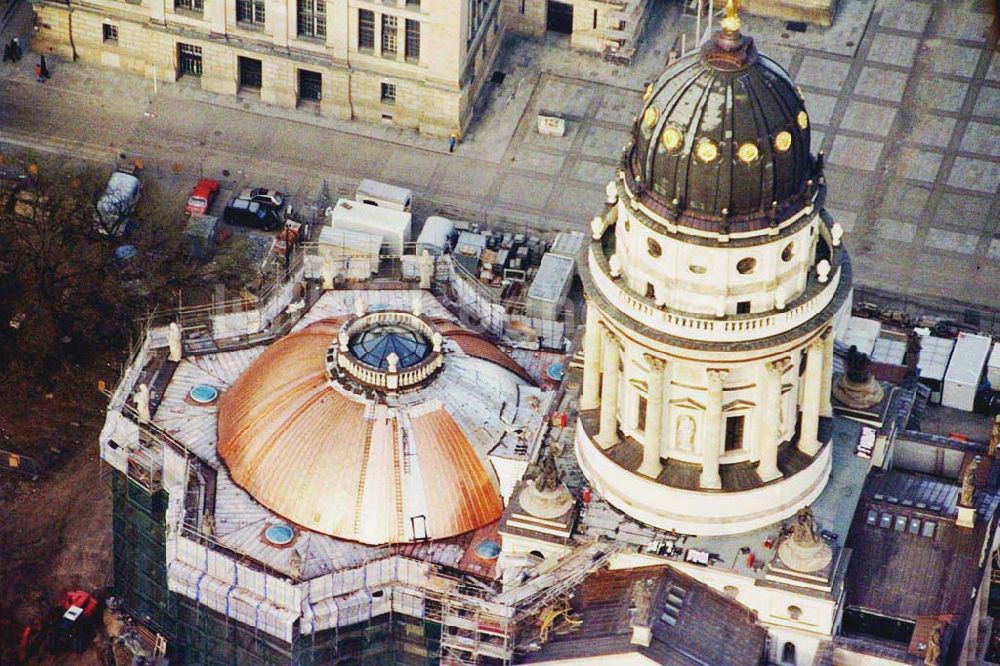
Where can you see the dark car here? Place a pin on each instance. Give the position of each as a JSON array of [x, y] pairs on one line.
[[246, 213], [946, 329]]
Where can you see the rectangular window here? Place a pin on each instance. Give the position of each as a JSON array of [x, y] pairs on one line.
[[640, 420], [886, 521], [310, 85], [251, 73], [190, 5], [189, 59], [110, 32], [388, 93], [413, 4], [595, 19], [312, 18], [388, 35], [734, 433], [250, 11], [412, 40], [743, 307], [366, 29], [928, 530], [900, 523], [872, 517], [914, 526]]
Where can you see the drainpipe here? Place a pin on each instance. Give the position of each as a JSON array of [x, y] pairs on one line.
[[69, 20]]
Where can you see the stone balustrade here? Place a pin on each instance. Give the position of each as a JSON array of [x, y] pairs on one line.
[[383, 379]]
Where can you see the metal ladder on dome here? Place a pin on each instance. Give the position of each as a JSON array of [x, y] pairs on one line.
[[369, 427], [397, 473]]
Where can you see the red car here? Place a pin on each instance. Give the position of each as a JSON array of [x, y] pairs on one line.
[[202, 197]]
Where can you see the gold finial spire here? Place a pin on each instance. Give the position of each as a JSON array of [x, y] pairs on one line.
[[731, 23]]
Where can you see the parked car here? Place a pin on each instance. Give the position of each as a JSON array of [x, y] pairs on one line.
[[262, 195], [202, 196], [946, 329], [114, 208], [865, 309], [246, 213]]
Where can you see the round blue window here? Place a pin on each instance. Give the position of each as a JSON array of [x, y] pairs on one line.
[[204, 394], [279, 535], [487, 549]]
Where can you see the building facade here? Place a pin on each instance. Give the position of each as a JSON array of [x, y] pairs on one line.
[[416, 64], [611, 27], [711, 283]]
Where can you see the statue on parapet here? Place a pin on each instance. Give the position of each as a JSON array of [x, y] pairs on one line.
[[858, 366]]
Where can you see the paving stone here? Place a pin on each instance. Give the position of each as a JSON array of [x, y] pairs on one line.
[[461, 176], [959, 24], [993, 73], [953, 60], [816, 140], [932, 130], [847, 219], [618, 107], [857, 153], [566, 98], [961, 211], [880, 84], [974, 174], [896, 230], [918, 164], [847, 186], [575, 200], [988, 103], [536, 160], [563, 143], [823, 73], [904, 198], [993, 251], [941, 94], [601, 142], [893, 49], [593, 172], [820, 108], [952, 241], [982, 138], [525, 190], [904, 15], [869, 118]]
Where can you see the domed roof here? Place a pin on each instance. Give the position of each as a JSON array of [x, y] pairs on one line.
[[723, 134], [345, 465]]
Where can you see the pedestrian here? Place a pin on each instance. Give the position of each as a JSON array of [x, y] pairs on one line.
[[38, 73], [452, 141], [16, 46], [8, 53], [45, 69]]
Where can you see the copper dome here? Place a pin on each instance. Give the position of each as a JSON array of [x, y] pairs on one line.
[[332, 462], [723, 136]]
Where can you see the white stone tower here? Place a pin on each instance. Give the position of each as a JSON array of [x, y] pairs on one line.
[[712, 281]]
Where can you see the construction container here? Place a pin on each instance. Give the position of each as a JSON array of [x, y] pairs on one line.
[[434, 236], [393, 226], [374, 193], [550, 287], [993, 367], [935, 353], [965, 370]]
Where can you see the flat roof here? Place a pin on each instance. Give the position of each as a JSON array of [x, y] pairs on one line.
[[889, 348], [968, 359], [353, 240], [374, 217], [384, 191], [862, 333], [935, 353], [550, 280]]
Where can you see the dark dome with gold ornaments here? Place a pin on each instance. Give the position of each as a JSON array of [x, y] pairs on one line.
[[722, 143]]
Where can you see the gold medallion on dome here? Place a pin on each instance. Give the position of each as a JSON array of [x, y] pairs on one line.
[[650, 117], [648, 93], [671, 138], [783, 141], [747, 152], [707, 151], [803, 120]]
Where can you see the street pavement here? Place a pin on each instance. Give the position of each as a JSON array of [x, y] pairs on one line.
[[904, 97]]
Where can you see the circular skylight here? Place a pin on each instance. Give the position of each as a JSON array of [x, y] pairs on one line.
[[204, 394], [279, 535], [374, 345]]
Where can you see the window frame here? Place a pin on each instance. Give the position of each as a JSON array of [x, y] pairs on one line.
[[196, 6], [411, 38], [389, 35], [388, 93], [109, 28], [310, 14], [366, 30], [253, 6]]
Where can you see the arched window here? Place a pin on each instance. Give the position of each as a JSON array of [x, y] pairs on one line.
[[794, 612], [788, 654]]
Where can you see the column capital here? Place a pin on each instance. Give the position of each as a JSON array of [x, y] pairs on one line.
[[655, 362], [716, 377], [816, 344], [780, 366], [827, 333]]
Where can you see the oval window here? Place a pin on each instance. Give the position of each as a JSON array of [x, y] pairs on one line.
[[788, 252], [628, 227], [697, 269], [653, 248], [746, 265], [794, 612], [731, 591]]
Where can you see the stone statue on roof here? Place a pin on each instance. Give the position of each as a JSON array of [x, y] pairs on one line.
[[932, 655], [968, 483], [858, 366], [544, 472], [804, 528], [912, 355]]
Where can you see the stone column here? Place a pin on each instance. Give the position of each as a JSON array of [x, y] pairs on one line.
[[607, 436], [770, 431], [809, 432], [711, 440], [825, 406], [654, 419], [590, 397]]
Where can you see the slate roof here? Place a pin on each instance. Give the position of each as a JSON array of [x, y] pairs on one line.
[[902, 574], [710, 628]]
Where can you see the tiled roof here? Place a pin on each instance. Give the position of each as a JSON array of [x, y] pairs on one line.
[[692, 624], [477, 346]]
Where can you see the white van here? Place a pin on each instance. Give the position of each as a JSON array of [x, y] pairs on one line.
[[115, 206], [374, 193]]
